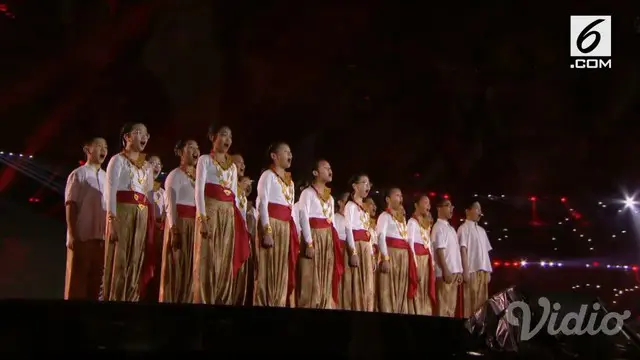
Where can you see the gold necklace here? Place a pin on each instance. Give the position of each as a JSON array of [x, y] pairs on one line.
[[140, 169], [287, 189], [402, 226], [222, 171], [190, 174], [325, 202]]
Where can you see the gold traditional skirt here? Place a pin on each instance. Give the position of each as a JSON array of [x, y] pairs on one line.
[[476, 292], [213, 280], [315, 276], [177, 264], [125, 267], [85, 264], [423, 302], [398, 287], [276, 272], [357, 282]]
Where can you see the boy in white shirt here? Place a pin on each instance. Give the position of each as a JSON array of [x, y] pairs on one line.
[[448, 261], [86, 220], [474, 251]]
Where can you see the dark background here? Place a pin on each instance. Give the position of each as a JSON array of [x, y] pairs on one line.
[[456, 98]]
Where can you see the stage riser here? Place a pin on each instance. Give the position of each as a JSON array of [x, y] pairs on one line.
[[59, 326]]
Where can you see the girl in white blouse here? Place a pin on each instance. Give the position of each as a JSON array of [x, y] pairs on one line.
[[129, 262], [279, 243], [357, 279], [397, 279], [221, 243], [418, 230], [321, 261], [179, 230]]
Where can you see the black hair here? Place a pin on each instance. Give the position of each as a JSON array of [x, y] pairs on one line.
[[441, 200], [126, 129], [354, 180], [316, 166], [468, 204], [90, 140], [272, 149], [214, 129], [177, 149], [419, 197]]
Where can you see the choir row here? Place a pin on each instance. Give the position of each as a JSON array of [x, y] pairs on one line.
[[199, 240]]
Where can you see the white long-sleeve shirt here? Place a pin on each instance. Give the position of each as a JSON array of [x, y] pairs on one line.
[[85, 188], [123, 175], [179, 189], [444, 237], [387, 226], [417, 234], [475, 239], [209, 171], [312, 206], [340, 224], [272, 189], [356, 218]]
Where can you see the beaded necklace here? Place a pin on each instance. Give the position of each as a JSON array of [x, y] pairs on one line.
[[138, 170], [325, 202], [401, 223], [225, 177], [286, 185], [189, 172], [424, 230]]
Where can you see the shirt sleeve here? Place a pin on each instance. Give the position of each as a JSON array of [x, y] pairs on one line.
[[149, 187], [201, 180], [381, 230], [264, 187], [304, 209], [72, 189], [464, 235], [412, 232], [111, 189], [171, 196], [348, 215], [439, 238], [234, 185]]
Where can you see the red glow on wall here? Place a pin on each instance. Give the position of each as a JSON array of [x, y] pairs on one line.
[[34, 200]]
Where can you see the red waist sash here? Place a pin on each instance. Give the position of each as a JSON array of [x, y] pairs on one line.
[[283, 213], [186, 211], [136, 198], [338, 262], [361, 235], [422, 250], [413, 271], [241, 237]]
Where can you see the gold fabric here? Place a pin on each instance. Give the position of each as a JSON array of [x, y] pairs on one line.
[[177, 265], [476, 292], [85, 264], [358, 282], [393, 286], [213, 280], [272, 268], [124, 258], [315, 276], [447, 296], [421, 303]]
